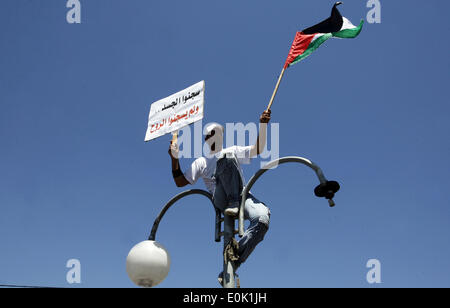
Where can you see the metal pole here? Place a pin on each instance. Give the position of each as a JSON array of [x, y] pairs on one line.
[[228, 279], [269, 166], [228, 265], [171, 202]]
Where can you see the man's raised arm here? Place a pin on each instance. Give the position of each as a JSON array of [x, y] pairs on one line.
[[177, 174], [262, 135]]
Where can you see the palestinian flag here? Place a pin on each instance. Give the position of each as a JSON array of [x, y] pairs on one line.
[[310, 39]]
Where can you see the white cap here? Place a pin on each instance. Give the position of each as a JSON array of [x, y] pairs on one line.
[[213, 126]]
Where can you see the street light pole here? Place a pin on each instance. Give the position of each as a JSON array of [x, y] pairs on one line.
[[228, 279], [325, 189]]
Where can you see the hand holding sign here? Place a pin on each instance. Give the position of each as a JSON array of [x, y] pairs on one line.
[[173, 150]]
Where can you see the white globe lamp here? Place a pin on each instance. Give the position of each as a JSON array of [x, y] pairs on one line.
[[148, 263]]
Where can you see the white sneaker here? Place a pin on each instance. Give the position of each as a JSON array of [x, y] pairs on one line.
[[232, 211], [236, 278], [220, 279]]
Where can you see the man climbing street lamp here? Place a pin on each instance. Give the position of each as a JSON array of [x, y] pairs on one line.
[[148, 262], [223, 177]]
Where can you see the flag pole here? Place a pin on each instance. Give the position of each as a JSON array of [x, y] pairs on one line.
[[276, 89]]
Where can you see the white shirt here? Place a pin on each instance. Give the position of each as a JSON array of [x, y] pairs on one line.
[[204, 167]]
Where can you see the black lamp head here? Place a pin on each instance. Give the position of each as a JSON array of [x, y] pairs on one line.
[[327, 189]]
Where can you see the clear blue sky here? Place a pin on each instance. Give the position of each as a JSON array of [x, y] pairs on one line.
[[78, 181]]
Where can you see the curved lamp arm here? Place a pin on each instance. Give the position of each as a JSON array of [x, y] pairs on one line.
[[175, 199], [270, 165]]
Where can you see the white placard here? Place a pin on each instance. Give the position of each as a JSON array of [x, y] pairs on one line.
[[176, 111]]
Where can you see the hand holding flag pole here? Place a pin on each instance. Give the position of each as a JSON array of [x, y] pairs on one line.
[[308, 40]]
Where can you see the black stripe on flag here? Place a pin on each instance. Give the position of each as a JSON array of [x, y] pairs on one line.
[[329, 25]]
